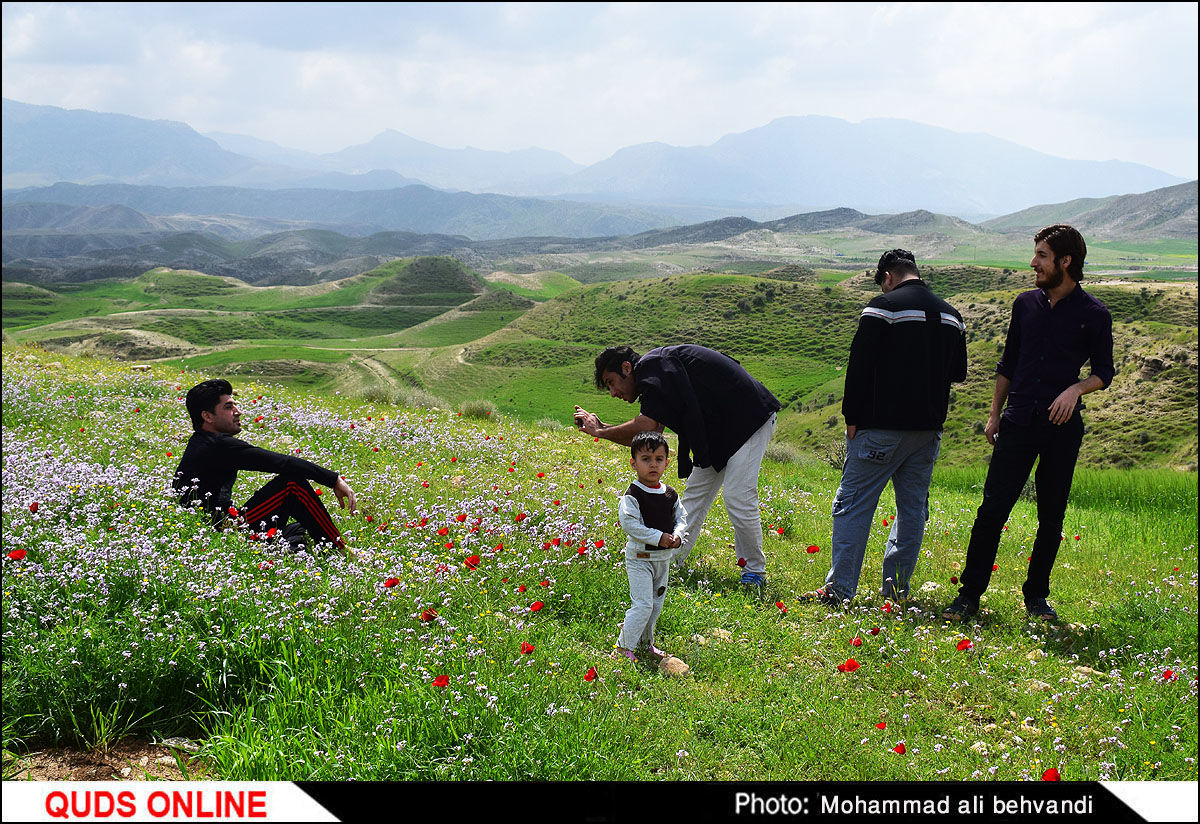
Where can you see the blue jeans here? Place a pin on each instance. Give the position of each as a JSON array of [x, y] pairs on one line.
[[874, 457]]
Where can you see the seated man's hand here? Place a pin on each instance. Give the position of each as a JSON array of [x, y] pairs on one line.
[[344, 492]]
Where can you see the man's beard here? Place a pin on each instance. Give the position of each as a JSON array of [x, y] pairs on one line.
[[1054, 279]]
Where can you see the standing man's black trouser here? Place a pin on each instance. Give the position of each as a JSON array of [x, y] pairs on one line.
[[1055, 448]]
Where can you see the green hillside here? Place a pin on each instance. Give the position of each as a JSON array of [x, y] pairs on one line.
[[433, 326]]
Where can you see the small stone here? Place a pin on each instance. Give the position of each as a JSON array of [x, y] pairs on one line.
[[145, 760], [673, 666], [1089, 671], [990, 728], [1039, 686], [979, 747], [1036, 655], [180, 743], [722, 634], [165, 760], [700, 639], [125, 771]]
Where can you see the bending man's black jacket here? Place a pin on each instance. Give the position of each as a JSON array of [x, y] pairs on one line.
[[210, 463], [909, 347]]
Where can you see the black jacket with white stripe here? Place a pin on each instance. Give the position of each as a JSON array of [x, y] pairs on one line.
[[909, 347]]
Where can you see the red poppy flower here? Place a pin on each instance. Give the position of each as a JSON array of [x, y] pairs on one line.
[[169, 456], [812, 550], [887, 607], [428, 615], [271, 532], [544, 583], [541, 474], [874, 630], [850, 666], [600, 545], [882, 725], [233, 513], [391, 582], [461, 517], [444, 531], [535, 606], [556, 542], [33, 507], [856, 641], [497, 548], [449, 544], [1168, 675], [965, 644], [557, 503], [521, 588], [885, 521], [16, 555], [520, 517], [591, 674], [425, 484], [581, 550], [954, 579], [526, 647], [442, 681], [546, 545], [995, 567], [741, 562], [779, 531], [266, 564], [899, 748], [1051, 774], [472, 562], [423, 522]]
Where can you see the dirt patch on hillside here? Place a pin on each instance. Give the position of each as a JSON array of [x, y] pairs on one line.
[[126, 761]]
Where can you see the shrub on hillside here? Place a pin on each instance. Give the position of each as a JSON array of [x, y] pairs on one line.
[[478, 409]]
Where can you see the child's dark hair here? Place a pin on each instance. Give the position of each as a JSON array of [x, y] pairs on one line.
[[648, 441]]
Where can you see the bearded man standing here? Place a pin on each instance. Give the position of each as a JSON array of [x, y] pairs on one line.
[[1054, 330]]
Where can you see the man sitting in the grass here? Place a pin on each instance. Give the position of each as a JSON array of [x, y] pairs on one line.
[[210, 463]]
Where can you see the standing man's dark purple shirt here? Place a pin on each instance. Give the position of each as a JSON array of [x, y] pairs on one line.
[[1047, 346]]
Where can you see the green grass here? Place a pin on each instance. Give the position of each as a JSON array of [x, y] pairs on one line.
[[129, 617]]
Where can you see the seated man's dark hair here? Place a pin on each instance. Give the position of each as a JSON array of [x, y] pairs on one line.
[[1065, 240], [204, 397], [899, 262], [648, 441], [610, 360]]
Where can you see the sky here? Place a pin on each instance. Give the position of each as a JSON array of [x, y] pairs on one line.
[[1090, 81]]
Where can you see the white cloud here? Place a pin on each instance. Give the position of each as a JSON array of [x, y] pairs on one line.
[[1086, 80]]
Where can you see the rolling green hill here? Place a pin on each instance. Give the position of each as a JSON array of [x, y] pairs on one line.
[[525, 343]]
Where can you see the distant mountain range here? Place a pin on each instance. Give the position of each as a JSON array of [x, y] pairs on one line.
[[68, 232], [790, 165]]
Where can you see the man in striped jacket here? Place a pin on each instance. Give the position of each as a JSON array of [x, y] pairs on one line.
[[909, 347]]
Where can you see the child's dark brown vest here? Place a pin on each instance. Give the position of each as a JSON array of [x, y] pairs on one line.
[[658, 510]]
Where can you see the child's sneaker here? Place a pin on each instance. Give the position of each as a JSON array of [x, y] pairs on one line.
[[658, 654], [624, 653]]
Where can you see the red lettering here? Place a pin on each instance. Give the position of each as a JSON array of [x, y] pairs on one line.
[[235, 805], [162, 798], [258, 804], [126, 807], [181, 804]]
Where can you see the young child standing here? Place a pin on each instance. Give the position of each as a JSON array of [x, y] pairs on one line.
[[653, 517]]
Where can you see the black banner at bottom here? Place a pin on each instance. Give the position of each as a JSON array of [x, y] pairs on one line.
[[618, 803]]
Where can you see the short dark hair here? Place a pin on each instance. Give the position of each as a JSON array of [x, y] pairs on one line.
[[610, 360], [204, 397], [648, 441], [1065, 240], [898, 262]]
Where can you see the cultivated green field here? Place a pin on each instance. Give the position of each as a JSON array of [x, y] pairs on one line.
[[469, 635]]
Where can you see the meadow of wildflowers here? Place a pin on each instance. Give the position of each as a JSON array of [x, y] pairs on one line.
[[468, 635]]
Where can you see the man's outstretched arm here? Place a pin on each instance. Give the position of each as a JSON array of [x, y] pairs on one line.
[[621, 433]]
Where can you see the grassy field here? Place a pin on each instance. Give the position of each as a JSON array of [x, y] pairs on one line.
[[470, 635]]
